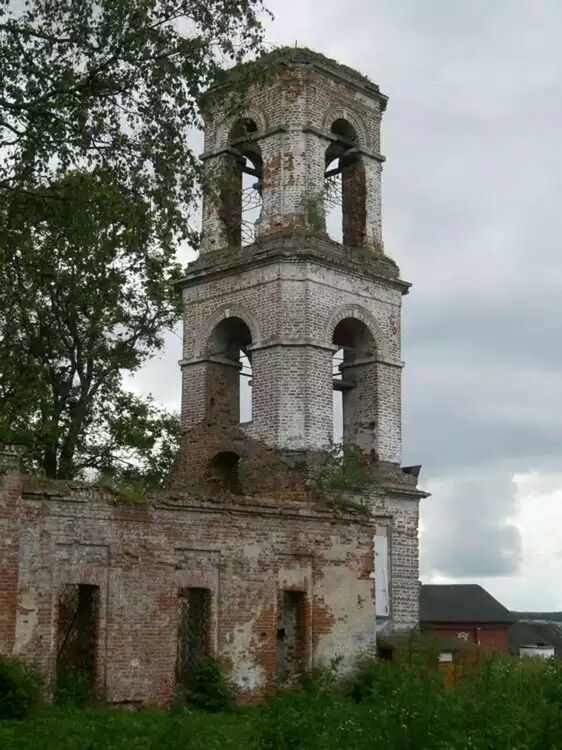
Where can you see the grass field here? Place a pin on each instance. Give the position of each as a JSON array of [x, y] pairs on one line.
[[113, 729], [500, 704]]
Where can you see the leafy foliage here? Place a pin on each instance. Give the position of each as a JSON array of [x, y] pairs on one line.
[[116, 85], [210, 689], [502, 704], [20, 689], [341, 476], [84, 297], [97, 182], [73, 689]]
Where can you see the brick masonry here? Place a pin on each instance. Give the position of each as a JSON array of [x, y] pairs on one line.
[[280, 300], [141, 555]]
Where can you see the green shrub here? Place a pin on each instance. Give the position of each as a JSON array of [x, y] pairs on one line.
[[321, 680], [73, 689], [20, 689], [209, 688], [503, 704]]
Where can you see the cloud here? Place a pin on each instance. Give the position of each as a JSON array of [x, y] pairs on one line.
[[468, 528], [536, 512]]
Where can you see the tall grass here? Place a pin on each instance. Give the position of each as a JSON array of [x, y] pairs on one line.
[[499, 704]]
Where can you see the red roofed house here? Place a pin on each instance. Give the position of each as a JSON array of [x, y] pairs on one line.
[[465, 611]]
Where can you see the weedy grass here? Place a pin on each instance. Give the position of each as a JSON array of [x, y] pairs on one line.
[[500, 704]]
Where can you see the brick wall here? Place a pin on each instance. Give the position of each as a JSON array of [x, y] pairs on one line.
[[10, 495], [293, 307], [140, 556], [490, 636]]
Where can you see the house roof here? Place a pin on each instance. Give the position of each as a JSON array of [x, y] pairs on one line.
[[461, 603], [536, 633]]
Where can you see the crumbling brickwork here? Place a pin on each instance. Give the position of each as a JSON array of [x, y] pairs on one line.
[[142, 556]]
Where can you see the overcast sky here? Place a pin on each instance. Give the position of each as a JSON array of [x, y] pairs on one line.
[[472, 201]]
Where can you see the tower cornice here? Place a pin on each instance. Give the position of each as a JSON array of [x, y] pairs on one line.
[[321, 250], [294, 58]]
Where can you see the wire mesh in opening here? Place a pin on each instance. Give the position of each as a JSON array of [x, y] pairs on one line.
[[78, 613], [194, 623]]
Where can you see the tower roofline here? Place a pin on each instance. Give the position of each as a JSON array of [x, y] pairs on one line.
[[299, 57]]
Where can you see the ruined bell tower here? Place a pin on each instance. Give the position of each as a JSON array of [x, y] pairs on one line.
[[279, 317], [248, 553]]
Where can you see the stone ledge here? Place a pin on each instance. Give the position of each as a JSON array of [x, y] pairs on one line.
[[293, 244], [100, 498]]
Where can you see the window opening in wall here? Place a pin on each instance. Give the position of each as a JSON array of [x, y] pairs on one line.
[[229, 380], [224, 472], [333, 200], [337, 398], [77, 631], [194, 625], [382, 571], [245, 386], [251, 199], [241, 192], [345, 187], [292, 634], [353, 377]]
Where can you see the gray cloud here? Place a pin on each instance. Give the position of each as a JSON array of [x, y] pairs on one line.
[[466, 531]]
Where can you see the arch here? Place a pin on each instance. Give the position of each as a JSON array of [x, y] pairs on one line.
[[224, 312], [345, 181], [344, 129], [228, 381], [359, 313], [227, 125], [241, 180], [332, 115], [223, 472]]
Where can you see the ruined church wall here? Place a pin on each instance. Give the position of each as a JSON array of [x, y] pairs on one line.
[[141, 556]]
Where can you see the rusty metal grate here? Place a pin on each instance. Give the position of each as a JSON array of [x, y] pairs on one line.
[[78, 609], [251, 207], [333, 195], [194, 622]]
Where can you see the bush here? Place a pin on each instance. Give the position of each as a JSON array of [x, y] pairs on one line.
[[73, 689], [20, 689], [209, 688], [405, 705], [308, 716]]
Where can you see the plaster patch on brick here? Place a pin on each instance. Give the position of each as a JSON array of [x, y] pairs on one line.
[[26, 619]]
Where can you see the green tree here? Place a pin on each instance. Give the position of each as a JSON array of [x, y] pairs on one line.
[[116, 83], [97, 182], [85, 296]]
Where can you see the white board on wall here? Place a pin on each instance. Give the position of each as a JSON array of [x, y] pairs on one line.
[[382, 583]]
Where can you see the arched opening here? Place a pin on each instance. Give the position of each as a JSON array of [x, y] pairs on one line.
[[345, 187], [229, 383], [242, 184], [224, 472], [354, 383]]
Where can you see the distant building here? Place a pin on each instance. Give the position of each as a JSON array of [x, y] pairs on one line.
[[536, 637], [465, 611]]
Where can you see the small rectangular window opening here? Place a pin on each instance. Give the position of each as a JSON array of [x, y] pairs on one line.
[[292, 632], [193, 638], [77, 633]]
